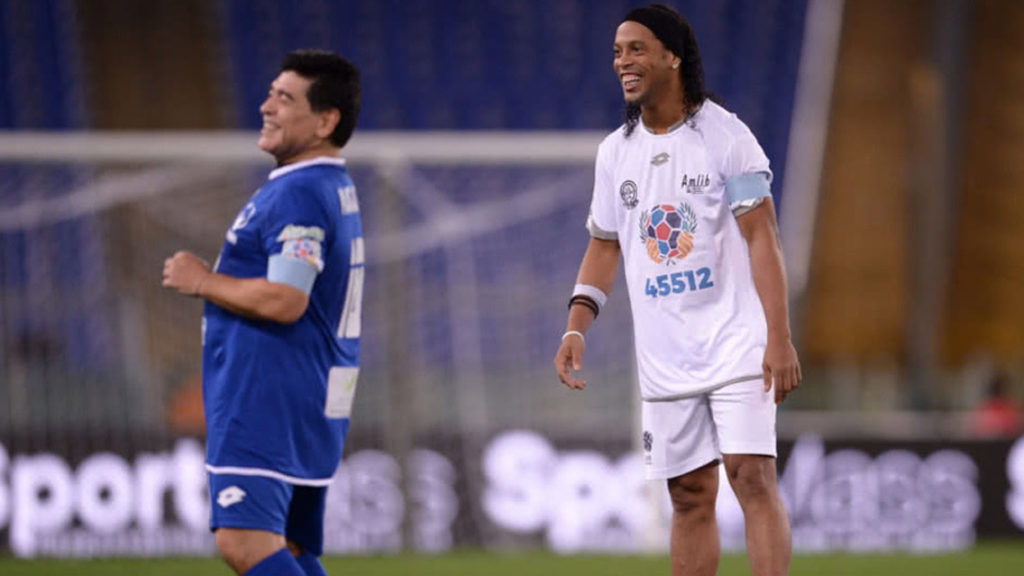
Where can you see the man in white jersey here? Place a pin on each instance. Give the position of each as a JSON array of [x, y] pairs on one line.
[[681, 194]]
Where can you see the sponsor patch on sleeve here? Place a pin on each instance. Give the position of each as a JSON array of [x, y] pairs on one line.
[[294, 232], [305, 249]]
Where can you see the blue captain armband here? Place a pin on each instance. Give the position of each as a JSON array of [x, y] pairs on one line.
[[746, 191], [299, 274]]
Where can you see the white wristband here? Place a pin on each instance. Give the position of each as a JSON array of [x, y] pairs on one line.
[[594, 292], [576, 332]]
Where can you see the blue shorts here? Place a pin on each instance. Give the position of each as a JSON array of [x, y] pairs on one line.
[[260, 503]]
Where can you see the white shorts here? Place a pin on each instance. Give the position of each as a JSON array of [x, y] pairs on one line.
[[683, 435]]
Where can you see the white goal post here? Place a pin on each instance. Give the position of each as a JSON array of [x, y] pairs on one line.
[[538, 148]]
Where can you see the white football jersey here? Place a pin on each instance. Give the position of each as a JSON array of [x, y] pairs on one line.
[[697, 317]]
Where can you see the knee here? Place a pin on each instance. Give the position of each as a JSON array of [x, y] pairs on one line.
[[232, 549], [243, 549], [752, 479], [694, 494]]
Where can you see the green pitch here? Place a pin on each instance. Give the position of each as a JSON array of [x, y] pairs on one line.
[[991, 558]]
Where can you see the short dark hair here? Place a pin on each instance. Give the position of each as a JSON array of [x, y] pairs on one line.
[[335, 85]]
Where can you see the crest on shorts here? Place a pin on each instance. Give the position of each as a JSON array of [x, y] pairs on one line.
[[629, 194], [648, 441]]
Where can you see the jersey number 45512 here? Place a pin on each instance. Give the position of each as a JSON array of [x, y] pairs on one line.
[[679, 282]]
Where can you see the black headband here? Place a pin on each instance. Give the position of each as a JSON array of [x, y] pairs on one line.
[[666, 24]]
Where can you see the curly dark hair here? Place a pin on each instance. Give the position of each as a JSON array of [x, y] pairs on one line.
[[335, 84], [691, 72]]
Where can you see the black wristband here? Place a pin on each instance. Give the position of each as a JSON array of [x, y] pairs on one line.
[[581, 300], [584, 299]]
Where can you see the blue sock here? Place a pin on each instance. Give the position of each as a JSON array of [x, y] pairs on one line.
[[311, 565], [280, 563]]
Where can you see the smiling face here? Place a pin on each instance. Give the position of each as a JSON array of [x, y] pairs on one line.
[[643, 64], [291, 129]]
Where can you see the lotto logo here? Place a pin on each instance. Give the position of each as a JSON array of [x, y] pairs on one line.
[[229, 496]]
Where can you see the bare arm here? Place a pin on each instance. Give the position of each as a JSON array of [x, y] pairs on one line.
[[255, 298], [599, 268], [781, 364]]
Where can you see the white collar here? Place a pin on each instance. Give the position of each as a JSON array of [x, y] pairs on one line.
[[690, 119], [335, 160], [670, 129]]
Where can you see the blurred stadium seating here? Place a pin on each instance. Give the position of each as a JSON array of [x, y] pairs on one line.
[[911, 300]]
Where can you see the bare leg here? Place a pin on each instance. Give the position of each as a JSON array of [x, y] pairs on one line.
[[769, 544], [694, 545], [242, 549]]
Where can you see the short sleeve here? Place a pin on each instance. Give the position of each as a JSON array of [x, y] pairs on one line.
[[601, 220], [294, 237], [746, 173]]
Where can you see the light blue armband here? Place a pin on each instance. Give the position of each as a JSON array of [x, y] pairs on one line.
[[747, 187], [299, 274]]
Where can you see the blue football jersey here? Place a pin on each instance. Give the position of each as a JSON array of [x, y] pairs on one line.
[[278, 396]]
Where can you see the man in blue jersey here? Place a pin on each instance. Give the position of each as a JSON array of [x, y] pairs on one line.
[[281, 327]]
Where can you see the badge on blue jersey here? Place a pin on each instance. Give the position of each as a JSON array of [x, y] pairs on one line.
[[303, 243], [243, 218]]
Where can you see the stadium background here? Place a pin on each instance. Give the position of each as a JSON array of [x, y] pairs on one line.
[[893, 130]]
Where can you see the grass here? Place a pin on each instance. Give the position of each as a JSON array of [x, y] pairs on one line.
[[988, 558]]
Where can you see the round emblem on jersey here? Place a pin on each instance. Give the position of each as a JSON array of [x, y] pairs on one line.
[[241, 221], [667, 232], [244, 216], [628, 193]]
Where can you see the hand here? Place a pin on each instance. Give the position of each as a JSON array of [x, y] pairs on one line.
[[185, 272], [684, 244], [569, 358], [781, 367], [653, 251]]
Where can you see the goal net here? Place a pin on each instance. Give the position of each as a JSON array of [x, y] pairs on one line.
[[461, 434]]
